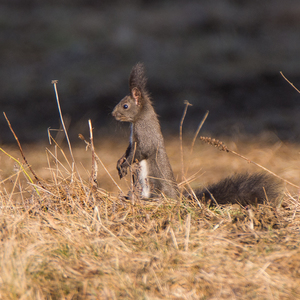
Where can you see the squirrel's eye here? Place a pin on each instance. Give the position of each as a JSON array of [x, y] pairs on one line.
[[125, 106]]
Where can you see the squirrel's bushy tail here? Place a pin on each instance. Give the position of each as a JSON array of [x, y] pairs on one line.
[[243, 189]]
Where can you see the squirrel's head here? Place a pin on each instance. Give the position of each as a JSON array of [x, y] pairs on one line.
[[129, 108]]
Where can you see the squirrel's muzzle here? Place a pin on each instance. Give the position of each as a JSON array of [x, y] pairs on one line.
[[117, 115]]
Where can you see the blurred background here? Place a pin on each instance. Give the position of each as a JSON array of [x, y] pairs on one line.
[[224, 56]]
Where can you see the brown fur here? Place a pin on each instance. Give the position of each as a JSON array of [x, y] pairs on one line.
[[146, 141], [243, 189]]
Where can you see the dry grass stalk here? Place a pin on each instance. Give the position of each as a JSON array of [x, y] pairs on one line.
[[195, 137], [174, 238], [102, 164], [188, 188], [21, 150], [54, 82], [187, 104], [218, 144], [198, 130], [289, 82], [94, 171], [51, 139]]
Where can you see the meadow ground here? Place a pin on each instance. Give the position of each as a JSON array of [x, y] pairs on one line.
[[62, 239]]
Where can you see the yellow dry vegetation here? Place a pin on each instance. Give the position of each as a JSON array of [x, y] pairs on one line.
[[62, 239]]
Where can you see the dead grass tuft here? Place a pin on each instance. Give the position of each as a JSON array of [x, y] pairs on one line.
[[69, 240]]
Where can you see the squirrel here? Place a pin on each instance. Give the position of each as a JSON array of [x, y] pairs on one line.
[[146, 144], [155, 176]]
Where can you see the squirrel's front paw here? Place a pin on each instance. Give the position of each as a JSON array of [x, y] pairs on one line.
[[122, 170]]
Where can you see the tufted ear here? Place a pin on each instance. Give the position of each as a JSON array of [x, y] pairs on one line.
[[137, 96]]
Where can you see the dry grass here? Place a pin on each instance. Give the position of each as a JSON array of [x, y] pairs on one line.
[[68, 241]]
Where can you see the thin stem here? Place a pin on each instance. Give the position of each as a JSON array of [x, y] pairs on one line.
[[222, 147], [94, 163], [187, 104], [21, 150], [289, 82], [262, 167], [24, 171], [198, 130], [54, 82]]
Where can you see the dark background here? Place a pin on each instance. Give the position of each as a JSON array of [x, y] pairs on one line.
[[222, 55]]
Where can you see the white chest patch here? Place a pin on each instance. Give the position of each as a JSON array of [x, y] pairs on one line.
[[144, 181]]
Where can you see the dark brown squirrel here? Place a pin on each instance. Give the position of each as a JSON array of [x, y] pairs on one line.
[[146, 144], [155, 175]]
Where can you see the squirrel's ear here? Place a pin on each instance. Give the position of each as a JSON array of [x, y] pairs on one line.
[[137, 96]]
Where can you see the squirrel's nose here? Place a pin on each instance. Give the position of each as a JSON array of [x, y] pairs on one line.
[[116, 114]]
